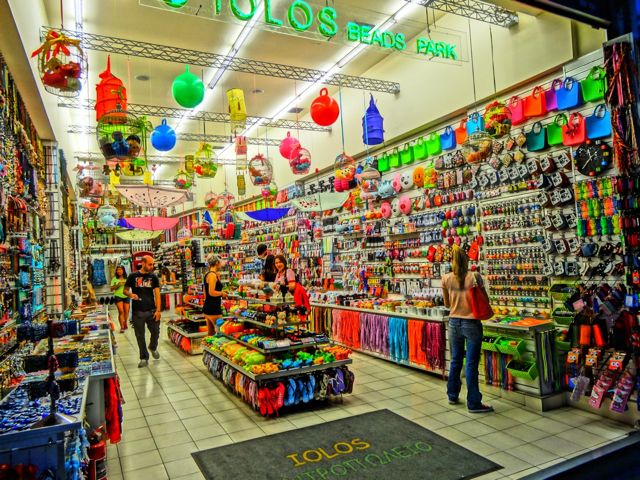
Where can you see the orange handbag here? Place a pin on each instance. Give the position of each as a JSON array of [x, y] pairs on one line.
[[535, 105], [461, 132]]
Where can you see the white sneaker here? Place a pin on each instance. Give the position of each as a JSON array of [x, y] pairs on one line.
[[143, 363]]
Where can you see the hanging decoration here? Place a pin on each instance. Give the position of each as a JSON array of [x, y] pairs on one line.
[[132, 168], [241, 164], [260, 170], [497, 119], [188, 89], [189, 163], [290, 147], [369, 180], [372, 125], [477, 147], [107, 215], [301, 164], [320, 202], [183, 180], [152, 223], [211, 200], [268, 214], [324, 109], [88, 187], [184, 234], [122, 135], [237, 108], [137, 235], [110, 93], [60, 64], [205, 162], [176, 3], [269, 192], [344, 171], [163, 137], [153, 197]]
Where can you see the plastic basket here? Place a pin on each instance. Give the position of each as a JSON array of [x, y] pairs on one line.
[[504, 345], [563, 346], [525, 370], [562, 317], [489, 342]]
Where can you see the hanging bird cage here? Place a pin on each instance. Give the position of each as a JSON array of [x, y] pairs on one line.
[[122, 135], [110, 93], [344, 171], [107, 215], [206, 164], [60, 64], [477, 148], [132, 168], [269, 192], [260, 170], [183, 180], [301, 164], [211, 200], [224, 202]]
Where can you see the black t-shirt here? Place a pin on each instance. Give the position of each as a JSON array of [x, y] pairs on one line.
[[268, 275], [142, 284]]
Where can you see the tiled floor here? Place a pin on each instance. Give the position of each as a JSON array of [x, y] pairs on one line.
[[174, 407]]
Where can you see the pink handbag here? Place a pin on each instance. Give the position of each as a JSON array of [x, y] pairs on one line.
[[516, 107]]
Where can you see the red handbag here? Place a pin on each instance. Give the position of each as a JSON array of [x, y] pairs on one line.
[[479, 301], [461, 132], [535, 105], [516, 107], [575, 131]]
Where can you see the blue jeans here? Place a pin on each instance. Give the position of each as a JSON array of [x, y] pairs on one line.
[[461, 329]]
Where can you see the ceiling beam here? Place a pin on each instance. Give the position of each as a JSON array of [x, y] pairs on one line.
[[473, 9], [172, 112], [97, 157], [134, 48], [187, 137]]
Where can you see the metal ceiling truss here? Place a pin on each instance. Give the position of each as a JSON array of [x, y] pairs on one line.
[[188, 137], [473, 9], [122, 46], [95, 157], [171, 112]]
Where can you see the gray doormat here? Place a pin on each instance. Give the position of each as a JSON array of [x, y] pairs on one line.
[[371, 446]]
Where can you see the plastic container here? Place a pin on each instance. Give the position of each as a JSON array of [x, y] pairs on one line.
[[524, 370], [489, 342], [510, 346]]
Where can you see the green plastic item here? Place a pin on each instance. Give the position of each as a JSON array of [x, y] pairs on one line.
[[521, 369], [434, 147], [504, 345], [563, 346], [394, 158], [420, 149], [383, 163], [594, 87], [554, 130], [489, 342], [406, 155], [188, 89], [562, 317]]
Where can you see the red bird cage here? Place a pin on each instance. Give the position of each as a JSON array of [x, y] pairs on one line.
[[110, 94]]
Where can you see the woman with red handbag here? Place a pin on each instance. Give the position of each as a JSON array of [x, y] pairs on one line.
[[461, 290]]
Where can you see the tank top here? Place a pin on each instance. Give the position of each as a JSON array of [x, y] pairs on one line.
[[212, 305]]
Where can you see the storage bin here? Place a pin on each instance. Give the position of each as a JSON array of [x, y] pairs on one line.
[[524, 370], [489, 342], [510, 346]]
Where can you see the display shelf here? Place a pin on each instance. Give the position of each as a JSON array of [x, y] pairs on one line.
[[281, 373], [278, 349], [381, 312], [270, 327], [186, 334]]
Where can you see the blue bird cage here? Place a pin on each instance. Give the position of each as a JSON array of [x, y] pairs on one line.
[[372, 125]]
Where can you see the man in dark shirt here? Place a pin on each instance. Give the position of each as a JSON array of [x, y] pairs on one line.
[[143, 288]]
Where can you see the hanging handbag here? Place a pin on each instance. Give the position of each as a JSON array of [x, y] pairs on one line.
[[535, 105], [575, 131], [537, 138], [406, 155], [554, 130], [461, 132], [448, 139], [433, 144], [516, 107], [394, 158], [420, 149], [594, 87], [550, 95], [479, 300], [383, 163], [599, 123], [569, 95], [475, 123]]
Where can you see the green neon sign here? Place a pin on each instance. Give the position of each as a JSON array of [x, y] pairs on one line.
[[300, 16]]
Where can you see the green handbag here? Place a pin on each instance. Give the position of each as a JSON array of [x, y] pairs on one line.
[[406, 155], [420, 149], [394, 158], [594, 86], [554, 130], [434, 147], [383, 163]]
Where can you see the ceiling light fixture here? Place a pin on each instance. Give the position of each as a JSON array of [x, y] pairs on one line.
[[402, 12]]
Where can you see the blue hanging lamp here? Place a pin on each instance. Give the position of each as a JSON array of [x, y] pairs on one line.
[[372, 125]]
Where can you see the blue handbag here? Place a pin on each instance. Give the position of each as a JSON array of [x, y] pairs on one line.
[[475, 123], [537, 138], [599, 123], [569, 95], [448, 139]]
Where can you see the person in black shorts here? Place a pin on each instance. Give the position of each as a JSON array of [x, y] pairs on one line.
[[213, 293]]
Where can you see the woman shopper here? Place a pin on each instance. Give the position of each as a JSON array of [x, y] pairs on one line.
[[285, 277], [213, 294], [463, 327], [168, 278], [122, 301]]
